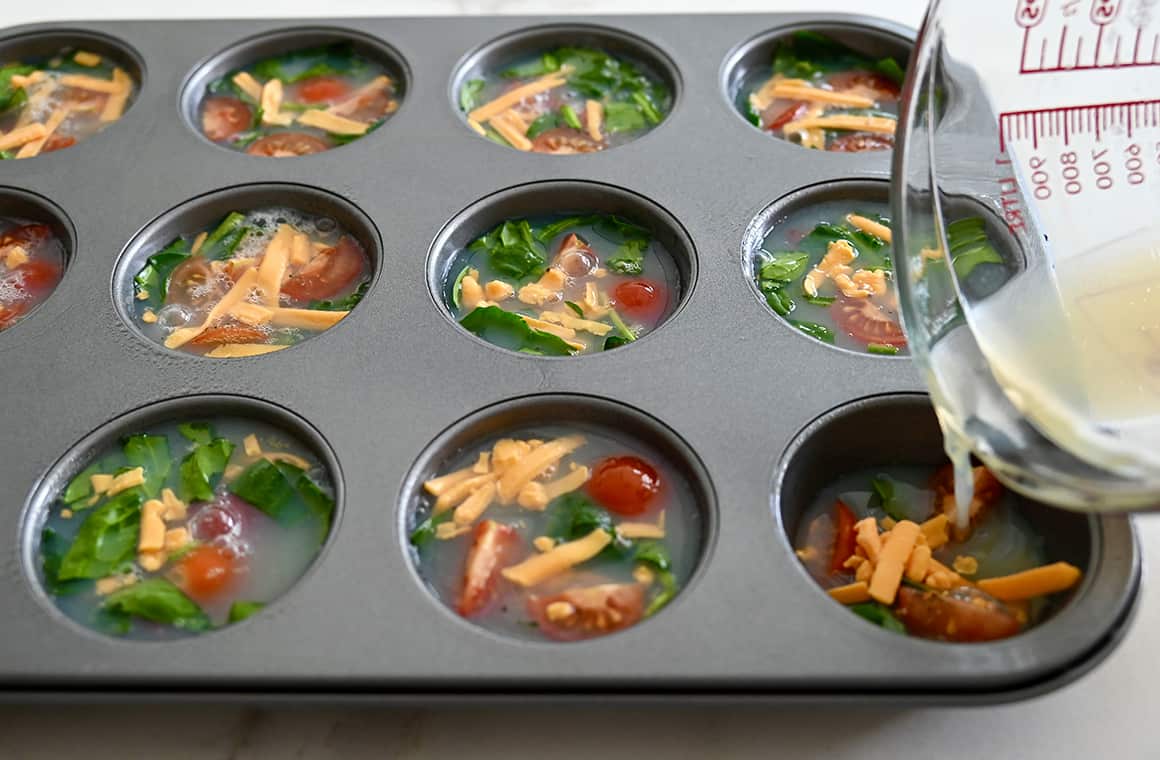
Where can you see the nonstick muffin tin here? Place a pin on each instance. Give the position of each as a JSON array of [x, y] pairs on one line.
[[758, 414]]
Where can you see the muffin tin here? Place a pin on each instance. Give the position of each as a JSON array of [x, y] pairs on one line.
[[766, 411]]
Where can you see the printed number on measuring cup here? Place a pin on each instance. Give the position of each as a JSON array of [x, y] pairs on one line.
[[1040, 178], [1134, 165], [1070, 172]]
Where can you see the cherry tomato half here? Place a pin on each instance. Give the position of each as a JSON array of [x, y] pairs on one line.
[[886, 89], [223, 117], [961, 614], [565, 140], [330, 272], [640, 299], [845, 541], [286, 144], [323, 89], [860, 142], [626, 485], [207, 572], [781, 112], [58, 142], [37, 274], [581, 613], [493, 546], [865, 321], [229, 334]]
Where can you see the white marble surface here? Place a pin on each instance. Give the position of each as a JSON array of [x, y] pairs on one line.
[[1108, 713]]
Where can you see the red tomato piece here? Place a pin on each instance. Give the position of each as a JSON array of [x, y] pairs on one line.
[[330, 272], [781, 112], [845, 541], [323, 89], [564, 141], [229, 334], [860, 142], [286, 144], [58, 142], [493, 546], [37, 274], [640, 299], [224, 117], [626, 485], [961, 614], [865, 321], [582, 613], [207, 572]]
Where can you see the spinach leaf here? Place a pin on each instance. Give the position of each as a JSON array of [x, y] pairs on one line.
[[106, 540], [284, 492], [884, 497], [239, 611], [655, 554], [198, 432], [752, 115], [264, 486], [424, 532], [808, 55], [629, 257], [222, 242], [668, 590], [818, 300], [619, 230], [153, 278], [575, 308], [226, 86], [541, 124], [626, 335], [970, 246], [623, 117], [496, 325], [201, 468], [784, 266], [53, 548], [814, 330], [615, 341], [646, 107], [80, 487], [536, 68], [158, 601], [779, 301], [574, 516], [469, 94], [151, 453], [513, 250], [331, 60], [548, 231], [12, 96], [889, 68], [570, 117], [7, 155], [457, 286], [346, 303], [869, 248], [880, 615], [881, 349]]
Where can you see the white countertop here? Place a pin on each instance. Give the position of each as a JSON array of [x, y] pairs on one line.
[[1107, 713]]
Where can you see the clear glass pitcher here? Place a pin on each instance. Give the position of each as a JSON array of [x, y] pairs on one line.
[[1041, 118]]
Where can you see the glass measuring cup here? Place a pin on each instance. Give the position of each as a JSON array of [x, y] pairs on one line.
[[1042, 118]]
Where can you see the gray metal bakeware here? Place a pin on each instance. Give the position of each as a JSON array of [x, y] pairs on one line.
[[760, 413]]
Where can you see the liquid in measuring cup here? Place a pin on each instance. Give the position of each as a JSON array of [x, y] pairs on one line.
[[1053, 376]]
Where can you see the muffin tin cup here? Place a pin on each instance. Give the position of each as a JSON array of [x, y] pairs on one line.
[[736, 385]]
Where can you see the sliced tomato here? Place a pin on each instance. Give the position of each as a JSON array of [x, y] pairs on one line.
[[37, 274], [28, 236], [214, 336], [582, 613], [10, 314], [323, 89], [193, 283], [330, 272], [845, 541], [865, 321], [961, 614], [626, 485], [286, 144], [987, 491], [564, 141], [885, 87], [493, 546], [641, 299], [58, 142], [575, 257], [224, 117], [860, 142], [781, 112], [207, 572]]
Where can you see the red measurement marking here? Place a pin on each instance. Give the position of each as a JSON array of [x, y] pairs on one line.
[[1093, 119], [1099, 42], [1062, 44]]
